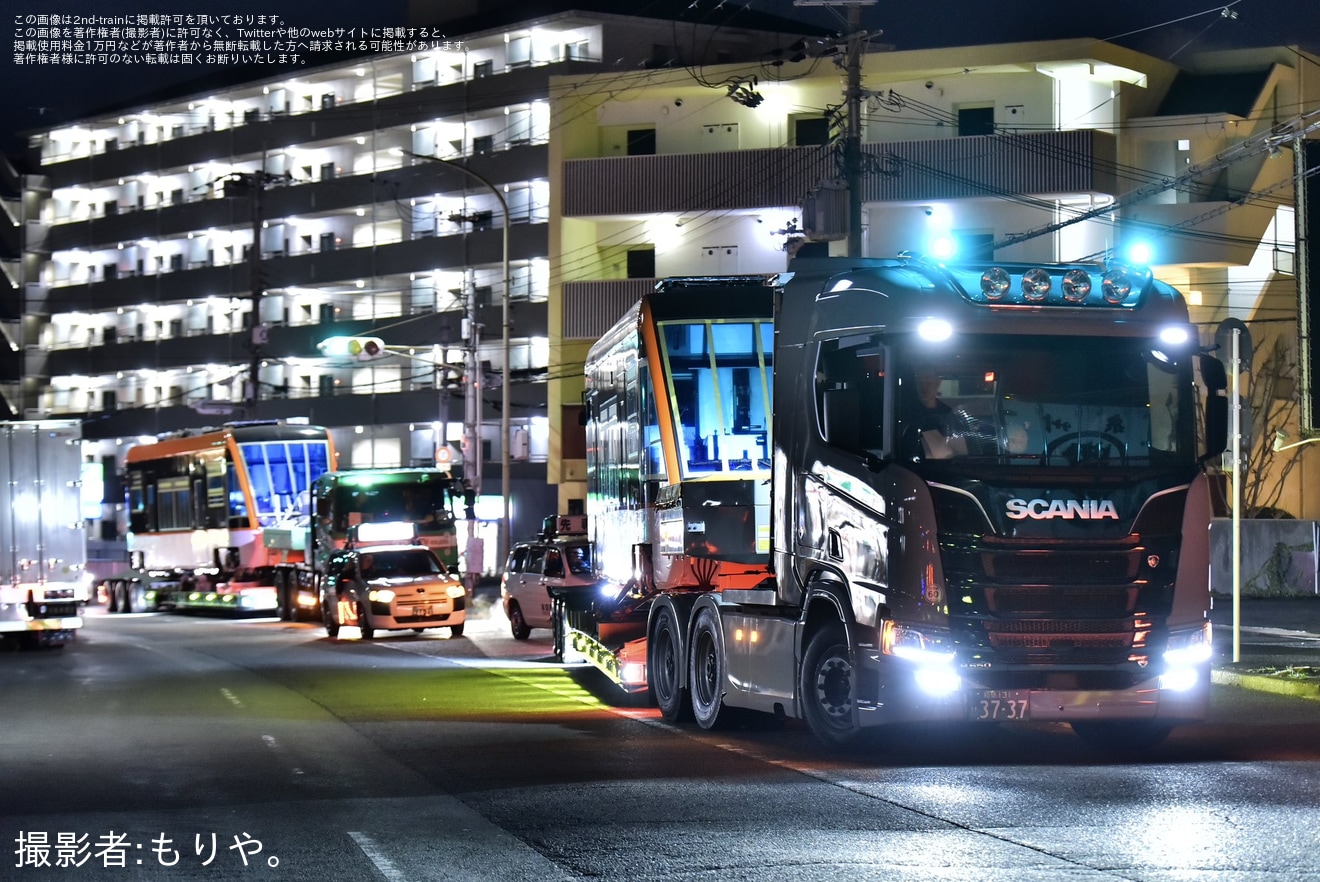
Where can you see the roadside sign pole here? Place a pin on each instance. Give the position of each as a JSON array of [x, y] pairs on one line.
[[1237, 495]]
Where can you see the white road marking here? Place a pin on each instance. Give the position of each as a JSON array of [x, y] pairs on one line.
[[377, 857]]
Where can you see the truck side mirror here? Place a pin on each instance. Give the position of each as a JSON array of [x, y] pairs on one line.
[[1213, 374]]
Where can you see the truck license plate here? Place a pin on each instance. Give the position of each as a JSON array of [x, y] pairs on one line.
[[995, 706]]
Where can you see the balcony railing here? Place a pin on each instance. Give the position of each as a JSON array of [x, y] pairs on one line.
[[592, 308], [950, 168]]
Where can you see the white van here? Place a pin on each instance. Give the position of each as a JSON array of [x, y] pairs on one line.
[[536, 569]]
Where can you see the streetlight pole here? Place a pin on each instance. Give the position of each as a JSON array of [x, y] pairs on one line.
[[504, 376]]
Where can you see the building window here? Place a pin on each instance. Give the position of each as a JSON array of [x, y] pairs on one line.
[[811, 130], [641, 142], [976, 121], [641, 263]]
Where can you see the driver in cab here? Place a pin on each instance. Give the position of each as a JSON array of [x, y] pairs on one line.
[[933, 420]]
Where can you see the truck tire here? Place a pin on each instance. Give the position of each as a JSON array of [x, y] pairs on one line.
[[828, 688], [518, 624], [706, 670], [125, 597], [364, 624], [664, 670], [112, 597]]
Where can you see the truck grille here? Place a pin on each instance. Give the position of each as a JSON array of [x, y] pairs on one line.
[[1048, 606], [1082, 600], [1065, 635], [1061, 567]]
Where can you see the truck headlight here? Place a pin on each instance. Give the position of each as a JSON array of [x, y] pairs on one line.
[[929, 651], [1184, 655], [1189, 648]]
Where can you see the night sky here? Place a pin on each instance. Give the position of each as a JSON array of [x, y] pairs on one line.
[[45, 95]]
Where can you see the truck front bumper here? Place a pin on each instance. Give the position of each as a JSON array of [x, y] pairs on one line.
[[892, 692]]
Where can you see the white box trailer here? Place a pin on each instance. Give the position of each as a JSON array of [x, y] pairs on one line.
[[43, 542]]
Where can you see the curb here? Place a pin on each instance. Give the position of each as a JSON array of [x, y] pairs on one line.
[[1260, 683]]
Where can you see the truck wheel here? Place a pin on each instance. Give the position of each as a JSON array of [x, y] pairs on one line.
[[1122, 737], [663, 670], [126, 597], [518, 624], [364, 624], [112, 597], [331, 623], [828, 688], [706, 670]]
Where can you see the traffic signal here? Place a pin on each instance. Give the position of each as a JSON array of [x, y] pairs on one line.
[[357, 348]]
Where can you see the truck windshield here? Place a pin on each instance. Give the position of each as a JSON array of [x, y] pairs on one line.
[[1050, 402], [282, 473], [720, 377], [422, 502]]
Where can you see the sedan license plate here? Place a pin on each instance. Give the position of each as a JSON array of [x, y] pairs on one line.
[[996, 706]]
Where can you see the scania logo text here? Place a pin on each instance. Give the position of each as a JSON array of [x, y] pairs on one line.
[[1044, 509]]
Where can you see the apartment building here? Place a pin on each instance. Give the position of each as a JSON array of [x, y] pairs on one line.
[[185, 259], [1029, 152]]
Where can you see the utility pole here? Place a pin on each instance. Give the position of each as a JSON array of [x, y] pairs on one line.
[[506, 326], [472, 395], [253, 184], [852, 145], [1308, 356], [852, 100]]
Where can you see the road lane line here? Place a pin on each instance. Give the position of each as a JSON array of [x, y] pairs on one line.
[[377, 857]]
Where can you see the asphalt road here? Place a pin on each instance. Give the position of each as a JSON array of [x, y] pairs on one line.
[[182, 743]]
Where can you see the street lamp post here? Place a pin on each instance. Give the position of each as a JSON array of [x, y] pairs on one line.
[[504, 376]]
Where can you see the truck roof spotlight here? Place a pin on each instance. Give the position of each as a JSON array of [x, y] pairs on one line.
[[995, 283], [1036, 284]]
